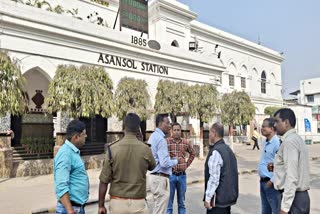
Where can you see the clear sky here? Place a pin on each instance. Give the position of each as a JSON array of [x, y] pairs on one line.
[[289, 26]]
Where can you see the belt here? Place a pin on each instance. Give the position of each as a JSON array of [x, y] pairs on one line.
[[122, 198], [265, 179], [282, 190], [160, 174], [179, 173], [75, 204]]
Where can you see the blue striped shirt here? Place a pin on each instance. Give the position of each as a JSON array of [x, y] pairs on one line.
[[160, 153], [269, 152], [70, 174]]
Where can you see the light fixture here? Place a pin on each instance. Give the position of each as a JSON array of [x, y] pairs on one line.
[[219, 54], [192, 46]]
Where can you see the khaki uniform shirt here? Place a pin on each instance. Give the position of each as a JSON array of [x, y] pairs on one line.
[[291, 168], [131, 160]]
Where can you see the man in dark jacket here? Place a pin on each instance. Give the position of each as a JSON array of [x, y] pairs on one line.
[[221, 174]]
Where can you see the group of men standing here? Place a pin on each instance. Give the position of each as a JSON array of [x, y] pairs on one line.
[[283, 169]]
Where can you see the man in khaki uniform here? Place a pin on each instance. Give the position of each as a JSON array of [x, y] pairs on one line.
[[126, 173]]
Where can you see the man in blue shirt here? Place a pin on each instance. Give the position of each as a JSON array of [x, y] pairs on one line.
[[269, 196], [159, 177], [70, 176]]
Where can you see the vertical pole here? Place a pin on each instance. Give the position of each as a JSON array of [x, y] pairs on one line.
[[115, 22]]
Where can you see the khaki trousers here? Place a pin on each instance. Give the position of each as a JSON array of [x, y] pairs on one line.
[[161, 192], [128, 206]]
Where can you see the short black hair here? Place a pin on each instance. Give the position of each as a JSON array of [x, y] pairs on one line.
[[287, 114], [160, 118], [218, 128], [271, 122], [175, 124], [75, 127], [132, 122]]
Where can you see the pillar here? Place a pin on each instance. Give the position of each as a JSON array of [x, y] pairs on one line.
[[6, 155]]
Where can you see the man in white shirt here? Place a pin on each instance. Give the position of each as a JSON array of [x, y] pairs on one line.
[[221, 174], [291, 166]]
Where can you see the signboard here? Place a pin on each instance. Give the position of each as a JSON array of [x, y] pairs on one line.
[[127, 63], [307, 125], [134, 14]]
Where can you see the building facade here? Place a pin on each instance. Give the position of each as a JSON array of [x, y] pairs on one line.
[[309, 95], [86, 32]]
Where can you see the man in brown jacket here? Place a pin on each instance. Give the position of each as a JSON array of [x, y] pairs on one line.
[[126, 173]]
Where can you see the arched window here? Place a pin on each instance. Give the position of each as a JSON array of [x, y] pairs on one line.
[[263, 82], [174, 43]]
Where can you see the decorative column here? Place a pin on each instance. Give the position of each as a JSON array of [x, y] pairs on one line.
[[6, 156], [184, 122], [60, 138], [115, 130], [5, 123], [62, 123]]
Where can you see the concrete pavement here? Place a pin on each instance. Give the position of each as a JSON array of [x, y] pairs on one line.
[[36, 194]]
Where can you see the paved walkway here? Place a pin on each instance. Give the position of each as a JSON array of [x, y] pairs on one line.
[[33, 194]]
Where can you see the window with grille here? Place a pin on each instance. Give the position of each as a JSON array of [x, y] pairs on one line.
[[263, 83], [310, 98], [243, 82], [231, 80]]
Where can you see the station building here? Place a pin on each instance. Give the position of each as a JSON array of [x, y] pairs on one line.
[[176, 47]]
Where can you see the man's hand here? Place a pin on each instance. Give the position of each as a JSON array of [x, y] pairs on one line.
[[269, 184], [207, 205], [102, 210], [283, 212]]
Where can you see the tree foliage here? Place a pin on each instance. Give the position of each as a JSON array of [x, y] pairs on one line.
[[12, 87], [80, 92], [171, 97], [132, 96], [203, 102], [270, 110], [237, 108]]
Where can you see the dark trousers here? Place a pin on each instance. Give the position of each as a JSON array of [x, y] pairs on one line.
[[256, 145], [300, 204], [219, 210]]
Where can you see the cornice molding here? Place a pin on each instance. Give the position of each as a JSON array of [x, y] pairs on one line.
[[175, 8], [236, 41]]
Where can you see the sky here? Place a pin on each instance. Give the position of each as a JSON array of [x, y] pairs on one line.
[[288, 26]]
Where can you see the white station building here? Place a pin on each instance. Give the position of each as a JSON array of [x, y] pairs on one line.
[[41, 40]]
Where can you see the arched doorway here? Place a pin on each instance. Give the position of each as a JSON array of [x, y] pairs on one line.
[[35, 128]]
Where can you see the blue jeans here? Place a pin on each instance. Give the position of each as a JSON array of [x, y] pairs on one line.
[[180, 183], [61, 210], [270, 199]]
